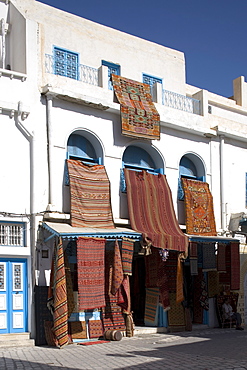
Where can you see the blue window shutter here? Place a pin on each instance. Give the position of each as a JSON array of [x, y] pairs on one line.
[[112, 69], [65, 63]]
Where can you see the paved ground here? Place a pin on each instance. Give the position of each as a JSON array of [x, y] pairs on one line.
[[207, 349]]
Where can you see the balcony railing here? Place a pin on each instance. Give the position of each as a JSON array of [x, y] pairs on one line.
[[177, 101], [86, 74]]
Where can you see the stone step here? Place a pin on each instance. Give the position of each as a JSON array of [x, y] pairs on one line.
[[16, 340], [139, 330]]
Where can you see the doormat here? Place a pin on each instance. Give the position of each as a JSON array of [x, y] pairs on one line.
[[94, 342]]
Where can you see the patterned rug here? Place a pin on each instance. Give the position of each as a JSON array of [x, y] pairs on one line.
[[117, 271], [95, 328], [221, 257], [90, 195], [78, 329], [151, 210], [235, 266], [193, 250], [152, 300], [204, 295], [151, 264], [90, 343], [180, 281], [208, 257], [225, 276], [213, 283], [127, 255], [196, 294], [193, 266], [60, 314], [198, 208], [91, 272], [139, 116], [176, 315]]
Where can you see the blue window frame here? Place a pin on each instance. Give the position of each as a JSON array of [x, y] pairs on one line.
[[150, 80], [137, 159], [12, 234], [112, 68], [66, 63]]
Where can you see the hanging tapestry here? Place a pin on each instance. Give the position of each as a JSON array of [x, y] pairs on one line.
[[117, 271], [139, 116], [221, 257], [95, 328], [91, 272], [69, 286], [195, 293], [151, 304], [180, 281], [193, 250], [204, 295], [60, 314], [208, 257], [171, 271], [151, 265], [127, 255], [163, 284], [225, 276], [112, 313], [151, 210], [199, 210], [193, 266], [124, 295], [213, 283], [90, 195], [176, 315], [235, 266]]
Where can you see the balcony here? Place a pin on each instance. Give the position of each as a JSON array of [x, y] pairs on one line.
[[181, 102]]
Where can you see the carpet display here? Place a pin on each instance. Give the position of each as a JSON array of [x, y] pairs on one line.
[[176, 315], [78, 329], [235, 266], [213, 283], [180, 281], [221, 257], [225, 277], [151, 210], [139, 116], [193, 250], [204, 295], [127, 255], [151, 264], [90, 343], [95, 328], [49, 333], [117, 271], [90, 195], [60, 314], [171, 271], [193, 266], [197, 308], [208, 257], [69, 286], [199, 210], [91, 272], [152, 300]]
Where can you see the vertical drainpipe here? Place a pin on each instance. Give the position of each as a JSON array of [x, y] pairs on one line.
[[222, 195], [3, 41], [49, 99]]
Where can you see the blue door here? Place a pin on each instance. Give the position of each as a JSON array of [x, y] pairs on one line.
[[13, 296]]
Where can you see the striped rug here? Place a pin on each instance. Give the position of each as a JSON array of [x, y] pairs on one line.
[[91, 272], [127, 255], [152, 300], [90, 196]]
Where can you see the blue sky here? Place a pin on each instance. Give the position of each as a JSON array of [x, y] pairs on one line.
[[211, 33]]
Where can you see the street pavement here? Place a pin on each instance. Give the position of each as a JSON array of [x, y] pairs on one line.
[[206, 349]]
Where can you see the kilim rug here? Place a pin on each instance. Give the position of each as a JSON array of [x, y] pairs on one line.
[[78, 329], [221, 257], [213, 283], [225, 277], [235, 266], [171, 271], [117, 272], [90, 195], [60, 315], [112, 313], [151, 264], [199, 210], [180, 281], [163, 284], [151, 304], [208, 257], [91, 272], [204, 295], [95, 328], [90, 343], [124, 295], [196, 294], [193, 266], [176, 315], [139, 116], [151, 210], [69, 286], [127, 255], [193, 250], [49, 333]]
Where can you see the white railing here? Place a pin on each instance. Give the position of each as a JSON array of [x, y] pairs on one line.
[[86, 74], [177, 101]]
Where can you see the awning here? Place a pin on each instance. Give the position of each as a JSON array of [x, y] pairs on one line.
[[66, 231], [211, 239]]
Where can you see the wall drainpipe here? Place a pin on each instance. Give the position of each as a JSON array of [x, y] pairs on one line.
[[222, 194], [49, 99]]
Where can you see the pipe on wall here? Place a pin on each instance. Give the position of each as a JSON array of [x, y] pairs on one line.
[[222, 194]]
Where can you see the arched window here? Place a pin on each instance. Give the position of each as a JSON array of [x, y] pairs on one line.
[[187, 168], [191, 167], [80, 148], [138, 159]]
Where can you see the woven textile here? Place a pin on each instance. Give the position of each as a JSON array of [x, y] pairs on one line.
[[117, 272], [235, 266], [163, 284], [127, 255], [78, 329], [198, 208], [91, 272], [193, 250], [151, 264], [60, 314], [124, 295], [171, 271], [221, 257], [213, 283], [176, 315], [69, 286], [180, 281], [151, 210], [225, 277], [112, 313], [197, 308], [139, 116], [90, 196], [193, 266], [49, 333], [208, 257], [95, 328], [204, 295], [152, 300]]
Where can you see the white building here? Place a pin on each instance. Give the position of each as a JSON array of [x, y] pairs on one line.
[[55, 88]]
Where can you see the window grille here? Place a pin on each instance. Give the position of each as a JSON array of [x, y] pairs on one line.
[[151, 80], [11, 234], [112, 69], [66, 63]]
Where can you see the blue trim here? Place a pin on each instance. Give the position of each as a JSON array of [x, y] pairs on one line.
[[112, 68], [75, 64], [151, 80], [209, 239]]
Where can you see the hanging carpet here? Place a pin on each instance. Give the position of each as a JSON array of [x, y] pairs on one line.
[[235, 266], [198, 208], [91, 272], [90, 195], [117, 271], [139, 116], [208, 257], [151, 210], [221, 257], [127, 255], [151, 304]]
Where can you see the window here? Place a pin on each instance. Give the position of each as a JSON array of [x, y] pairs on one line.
[[138, 159], [112, 68], [65, 63], [151, 80], [12, 234], [188, 169]]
